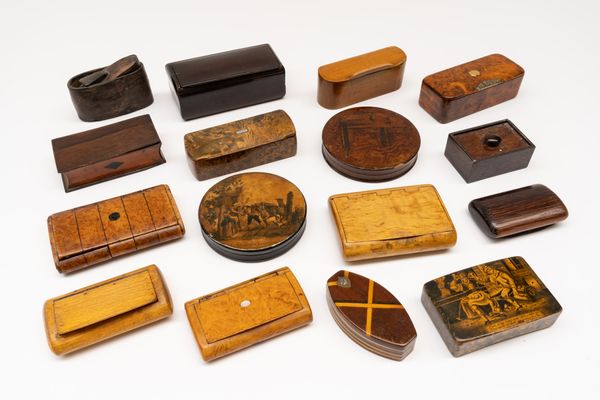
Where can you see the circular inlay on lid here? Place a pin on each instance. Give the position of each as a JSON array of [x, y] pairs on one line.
[[370, 143], [252, 216]]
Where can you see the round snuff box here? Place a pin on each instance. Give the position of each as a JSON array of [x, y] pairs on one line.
[[252, 216], [370, 144]]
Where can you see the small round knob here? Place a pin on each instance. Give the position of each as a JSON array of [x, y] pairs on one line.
[[492, 141]]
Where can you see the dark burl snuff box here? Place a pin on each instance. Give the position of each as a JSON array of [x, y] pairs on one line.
[[225, 81], [488, 303], [488, 150]]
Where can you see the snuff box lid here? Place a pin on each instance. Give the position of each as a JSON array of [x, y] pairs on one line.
[[249, 62], [355, 67], [473, 76], [100, 144], [239, 135]]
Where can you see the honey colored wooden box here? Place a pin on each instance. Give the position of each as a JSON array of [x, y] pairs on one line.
[[518, 211], [391, 222], [467, 88], [488, 150], [248, 313], [97, 232], [240, 144], [360, 78], [489, 303], [98, 312], [108, 152]]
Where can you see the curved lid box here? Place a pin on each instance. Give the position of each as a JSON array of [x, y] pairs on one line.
[[225, 81]]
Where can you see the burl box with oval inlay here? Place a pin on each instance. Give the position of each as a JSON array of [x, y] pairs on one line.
[[248, 313], [467, 88]]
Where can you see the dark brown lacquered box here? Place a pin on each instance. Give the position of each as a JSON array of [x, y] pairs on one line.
[[225, 81], [108, 152], [518, 211], [97, 232], [488, 150], [467, 88], [240, 144], [489, 303]]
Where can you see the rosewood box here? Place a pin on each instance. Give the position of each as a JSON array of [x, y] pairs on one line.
[[248, 313], [252, 216], [467, 88], [370, 144], [225, 81], [108, 152], [391, 222], [98, 312], [359, 78], [242, 144], [488, 150], [370, 315], [97, 232], [518, 211], [489, 303], [108, 92]]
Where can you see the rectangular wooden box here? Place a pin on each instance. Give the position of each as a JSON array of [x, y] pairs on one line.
[[518, 211], [225, 81], [240, 144], [489, 303], [108, 152], [361, 78], [97, 232], [98, 312], [248, 313], [467, 88], [391, 222], [488, 150]]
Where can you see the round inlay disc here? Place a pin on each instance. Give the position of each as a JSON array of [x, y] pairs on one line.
[[370, 143], [252, 216]]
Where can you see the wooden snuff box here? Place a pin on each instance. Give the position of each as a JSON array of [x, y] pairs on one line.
[[252, 216], [359, 78], [225, 81], [114, 90], [98, 312], [88, 235], [241, 144], [370, 315], [489, 303], [467, 88], [518, 211], [391, 222], [248, 313], [488, 150], [370, 143], [108, 152]]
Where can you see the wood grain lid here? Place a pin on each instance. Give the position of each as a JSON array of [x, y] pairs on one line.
[[370, 143], [252, 216], [364, 64]]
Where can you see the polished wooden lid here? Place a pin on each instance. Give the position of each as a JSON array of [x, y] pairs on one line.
[[252, 216], [370, 143]]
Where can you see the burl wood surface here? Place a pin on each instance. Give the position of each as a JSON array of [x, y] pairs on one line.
[[390, 222], [370, 143], [518, 211], [489, 303], [106, 309], [88, 235], [360, 78], [239, 145], [108, 152], [252, 211], [488, 150], [370, 315], [248, 313], [467, 88]]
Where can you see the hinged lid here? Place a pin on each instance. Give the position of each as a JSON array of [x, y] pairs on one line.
[[364, 64]]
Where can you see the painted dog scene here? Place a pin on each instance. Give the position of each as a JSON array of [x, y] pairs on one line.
[[252, 211]]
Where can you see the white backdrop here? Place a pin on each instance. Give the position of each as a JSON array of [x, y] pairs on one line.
[[43, 44]]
